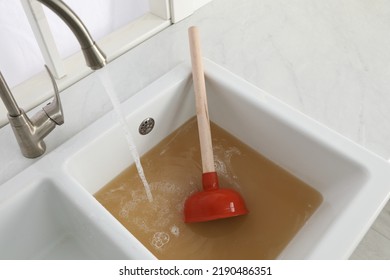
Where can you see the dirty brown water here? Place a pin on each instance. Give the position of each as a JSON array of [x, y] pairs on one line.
[[279, 203]]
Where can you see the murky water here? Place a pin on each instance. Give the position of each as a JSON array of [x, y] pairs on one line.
[[279, 203]]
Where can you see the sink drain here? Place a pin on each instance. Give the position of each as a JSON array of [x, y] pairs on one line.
[[146, 126]]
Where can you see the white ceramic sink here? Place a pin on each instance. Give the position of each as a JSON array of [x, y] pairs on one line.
[[48, 219], [41, 222], [352, 180]]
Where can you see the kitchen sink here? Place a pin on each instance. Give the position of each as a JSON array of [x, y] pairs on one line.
[[352, 180], [48, 211]]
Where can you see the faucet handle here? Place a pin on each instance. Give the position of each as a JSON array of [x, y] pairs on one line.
[[54, 109]]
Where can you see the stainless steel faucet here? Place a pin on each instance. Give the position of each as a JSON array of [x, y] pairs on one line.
[[30, 132], [94, 57]]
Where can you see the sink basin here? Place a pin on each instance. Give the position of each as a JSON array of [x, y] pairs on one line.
[[42, 222], [352, 180]]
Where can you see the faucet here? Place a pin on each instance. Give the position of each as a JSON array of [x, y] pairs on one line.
[[94, 57], [30, 132]]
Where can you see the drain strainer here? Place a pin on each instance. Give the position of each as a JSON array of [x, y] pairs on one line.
[[146, 126]]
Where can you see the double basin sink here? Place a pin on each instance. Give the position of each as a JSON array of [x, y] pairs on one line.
[[48, 211]]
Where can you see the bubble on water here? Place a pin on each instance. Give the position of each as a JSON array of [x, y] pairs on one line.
[[223, 163], [137, 196], [232, 151], [159, 239], [220, 166], [175, 230], [127, 206]]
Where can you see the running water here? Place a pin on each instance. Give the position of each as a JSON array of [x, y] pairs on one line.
[[109, 87]]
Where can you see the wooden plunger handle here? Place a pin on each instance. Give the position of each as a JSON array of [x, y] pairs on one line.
[[206, 147]]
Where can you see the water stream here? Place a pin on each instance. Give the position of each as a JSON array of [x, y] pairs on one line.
[[109, 87]]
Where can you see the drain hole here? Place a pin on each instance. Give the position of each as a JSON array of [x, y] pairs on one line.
[[146, 126]]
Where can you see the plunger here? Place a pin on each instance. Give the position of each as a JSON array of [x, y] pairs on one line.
[[213, 202]]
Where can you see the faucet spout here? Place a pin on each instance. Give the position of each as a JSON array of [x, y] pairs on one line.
[[94, 56]]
